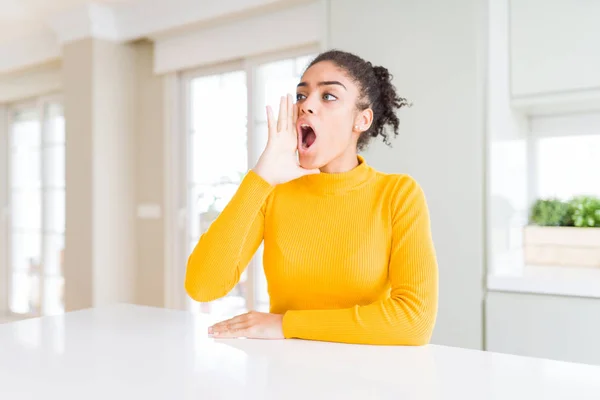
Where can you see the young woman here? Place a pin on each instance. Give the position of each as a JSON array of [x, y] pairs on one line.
[[348, 253]]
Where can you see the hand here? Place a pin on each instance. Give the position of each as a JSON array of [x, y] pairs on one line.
[[252, 325], [278, 163]]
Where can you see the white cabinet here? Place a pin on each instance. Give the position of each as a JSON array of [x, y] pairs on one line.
[[554, 47], [555, 327]]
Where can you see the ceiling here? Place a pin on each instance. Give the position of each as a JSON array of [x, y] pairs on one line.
[[23, 18]]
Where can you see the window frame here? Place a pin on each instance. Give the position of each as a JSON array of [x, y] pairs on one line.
[[554, 126], [40, 104]]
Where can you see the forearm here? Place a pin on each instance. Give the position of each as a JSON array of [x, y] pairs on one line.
[[224, 250], [394, 321]]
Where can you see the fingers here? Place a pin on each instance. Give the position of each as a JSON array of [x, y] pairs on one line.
[[290, 112], [295, 117], [223, 324], [271, 122], [234, 327], [282, 119]]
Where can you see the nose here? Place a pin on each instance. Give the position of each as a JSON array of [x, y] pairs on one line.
[[307, 106], [306, 110]]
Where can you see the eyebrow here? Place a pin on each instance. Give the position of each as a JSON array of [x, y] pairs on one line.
[[324, 83]]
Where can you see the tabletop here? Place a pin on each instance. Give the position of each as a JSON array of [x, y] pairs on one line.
[[135, 352]]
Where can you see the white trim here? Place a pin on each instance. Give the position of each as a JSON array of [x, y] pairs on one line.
[[561, 281], [558, 103], [252, 157], [26, 52], [248, 37], [4, 276], [173, 239], [154, 18], [217, 69], [566, 124], [532, 167]]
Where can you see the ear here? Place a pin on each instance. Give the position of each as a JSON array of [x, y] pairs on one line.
[[363, 121]]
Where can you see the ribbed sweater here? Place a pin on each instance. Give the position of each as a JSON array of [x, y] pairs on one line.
[[348, 256]]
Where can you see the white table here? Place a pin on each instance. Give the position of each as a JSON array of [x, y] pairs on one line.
[[130, 352]]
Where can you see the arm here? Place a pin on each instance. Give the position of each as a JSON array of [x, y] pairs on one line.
[[225, 249], [408, 316]]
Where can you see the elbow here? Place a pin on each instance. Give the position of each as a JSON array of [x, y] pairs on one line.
[[415, 330], [199, 285], [410, 337], [198, 292]]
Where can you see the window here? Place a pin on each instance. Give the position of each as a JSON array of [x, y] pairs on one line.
[[568, 166], [553, 156], [226, 133], [218, 160], [36, 223]]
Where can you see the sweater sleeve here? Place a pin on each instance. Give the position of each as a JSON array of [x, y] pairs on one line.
[[225, 249], [407, 316]]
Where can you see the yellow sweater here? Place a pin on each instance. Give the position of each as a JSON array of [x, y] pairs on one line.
[[348, 257]]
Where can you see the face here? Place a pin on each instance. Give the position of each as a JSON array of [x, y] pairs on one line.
[[327, 115]]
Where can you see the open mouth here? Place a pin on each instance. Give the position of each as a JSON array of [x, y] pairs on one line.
[[308, 135]]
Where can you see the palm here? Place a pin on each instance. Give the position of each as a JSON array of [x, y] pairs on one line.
[[279, 160]]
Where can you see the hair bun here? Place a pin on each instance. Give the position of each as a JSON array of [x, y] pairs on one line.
[[382, 74]]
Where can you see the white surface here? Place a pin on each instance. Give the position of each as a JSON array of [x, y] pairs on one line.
[[437, 60], [507, 273], [564, 281], [554, 46], [553, 327], [128, 352]]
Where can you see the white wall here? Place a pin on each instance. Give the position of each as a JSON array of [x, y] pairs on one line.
[[99, 96], [554, 46], [114, 172], [560, 328], [435, 51], [150, 179]]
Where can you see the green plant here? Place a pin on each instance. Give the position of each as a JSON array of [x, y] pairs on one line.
[[585, 211], [550, 212]]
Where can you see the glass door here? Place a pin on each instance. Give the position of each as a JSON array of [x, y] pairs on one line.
[[217, 161], [36, 223]]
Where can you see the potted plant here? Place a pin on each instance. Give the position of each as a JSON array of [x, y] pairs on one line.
[[565, 233]]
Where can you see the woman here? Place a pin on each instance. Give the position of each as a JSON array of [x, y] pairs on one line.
[[348, 253]]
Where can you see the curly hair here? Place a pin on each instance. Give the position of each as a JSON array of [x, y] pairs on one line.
[[376, 92]]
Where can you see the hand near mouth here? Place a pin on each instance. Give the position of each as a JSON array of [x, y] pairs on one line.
[[278, 163]]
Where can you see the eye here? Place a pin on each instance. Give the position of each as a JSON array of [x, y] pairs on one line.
[[329, 97], [300, 96]]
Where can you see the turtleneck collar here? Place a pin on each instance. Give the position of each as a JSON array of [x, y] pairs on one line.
[[340, 182]]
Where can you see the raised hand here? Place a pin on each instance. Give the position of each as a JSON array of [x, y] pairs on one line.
[[278, 163]]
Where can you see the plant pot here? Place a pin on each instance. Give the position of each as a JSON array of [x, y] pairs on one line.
[[563, 246]]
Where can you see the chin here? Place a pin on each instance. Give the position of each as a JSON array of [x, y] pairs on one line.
[[309, 161]]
